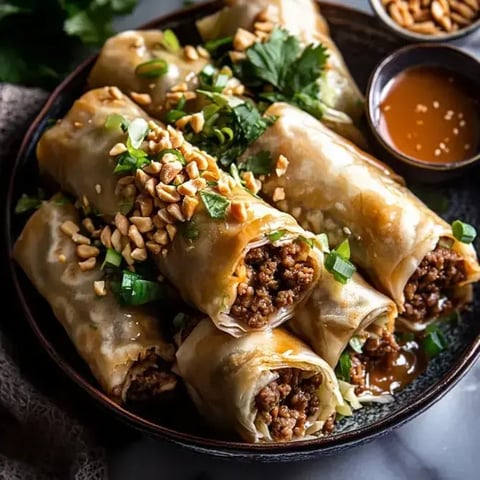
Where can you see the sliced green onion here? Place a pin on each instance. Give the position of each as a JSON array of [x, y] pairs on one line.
[[322, 240], [235, 174], [344, 366], [356, 344], [275, 236], [112, 259], [434, 341], [209, 110], [446, 242], [344, 249], [152, 68], [220, 82], [129, 163], [135, 290], [213, 45], [170, 41], [220, 136], [216, 205], [137, 131], [173, 115], [228, 132], [181, 103], [341, 269], [26, 203], [309, 241], [173, 151], [463, 232], [115, 121]]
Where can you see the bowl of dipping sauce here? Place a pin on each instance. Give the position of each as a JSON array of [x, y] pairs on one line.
[[428, 20], [423, 109]]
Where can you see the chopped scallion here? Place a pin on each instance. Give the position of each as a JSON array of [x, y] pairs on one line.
[[434, 341], [137, 131], [322, 240], [463, 232], [275, 236], [173, 115], [135, 290], [116, 121], [344, 250], [170, 41], [356, 344], [343, 367], [213, 45], [341, 269], [152, 68], [112, 259]]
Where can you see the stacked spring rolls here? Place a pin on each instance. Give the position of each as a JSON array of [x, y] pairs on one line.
[[253, 266]]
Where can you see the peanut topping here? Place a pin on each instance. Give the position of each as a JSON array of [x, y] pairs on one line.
[[69, 228], [87, 251], [143, 99], [87, 264], [99, 288], [117, 149]]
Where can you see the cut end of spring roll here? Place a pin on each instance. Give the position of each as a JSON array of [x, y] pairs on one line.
[[123, 346], [336, 312], [404, 248], [267, 386]]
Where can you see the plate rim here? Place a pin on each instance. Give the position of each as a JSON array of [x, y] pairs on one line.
[[297, 450]]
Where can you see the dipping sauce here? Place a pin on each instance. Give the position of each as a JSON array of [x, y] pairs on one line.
[[431, 114]]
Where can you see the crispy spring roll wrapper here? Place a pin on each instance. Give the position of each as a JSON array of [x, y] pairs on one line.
[[225, 377], [303, 19], [121, 55], [331, 185], [218, 255], [334, 313], [207, 271], [123, 346], [74, 152]]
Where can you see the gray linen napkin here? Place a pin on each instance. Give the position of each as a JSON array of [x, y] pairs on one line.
[[40, 437]]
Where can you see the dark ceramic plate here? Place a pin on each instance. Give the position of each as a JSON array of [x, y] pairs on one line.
[[364, 42]]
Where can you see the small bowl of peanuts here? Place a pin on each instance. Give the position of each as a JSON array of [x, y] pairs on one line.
[[429, 20]]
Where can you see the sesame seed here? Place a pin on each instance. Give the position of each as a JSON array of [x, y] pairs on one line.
[[437, 152], [436, 104], [98, 188]]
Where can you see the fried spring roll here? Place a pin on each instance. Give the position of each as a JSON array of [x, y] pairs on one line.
[[405, 249], [123, 62], [237, 259], [267, 386], [304, 20], [123, 346], [336, 312]]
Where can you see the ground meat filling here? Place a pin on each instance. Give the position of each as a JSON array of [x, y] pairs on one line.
[[276, 278], [151, 382], [377, 352], [286, 403], [426, 293]]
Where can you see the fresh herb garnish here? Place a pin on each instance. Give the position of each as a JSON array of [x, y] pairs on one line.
[[338, 264], [215, 204], [29, 202], [112, 259], [133, 289], [259, 164], [170, 41], [174, 152], [434, 341], [137, 131], [463, 232], [308, 241], [276, 236], [152, 68], [290, 71], [231, 125], [40, 40], [356, 344], [212, 80], [322, 240], [219, 46], [343, 367], [116, 121]]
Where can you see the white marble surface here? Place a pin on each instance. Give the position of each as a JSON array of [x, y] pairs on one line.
[[441, 444]]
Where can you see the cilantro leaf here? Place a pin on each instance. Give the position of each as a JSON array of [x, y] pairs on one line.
[[290, 72], [259, 164], [215, 204]]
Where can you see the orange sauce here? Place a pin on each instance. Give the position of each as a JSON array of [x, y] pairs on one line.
[[392, 374], [431, 114]]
